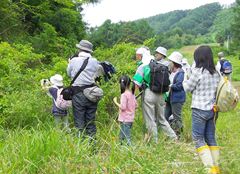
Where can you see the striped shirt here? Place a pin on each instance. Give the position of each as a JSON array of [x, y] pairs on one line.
[[203, 87]]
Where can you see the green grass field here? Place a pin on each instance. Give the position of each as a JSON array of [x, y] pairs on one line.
[[44, 149]]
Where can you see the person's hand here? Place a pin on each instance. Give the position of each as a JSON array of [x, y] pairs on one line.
[[45, 83], [42, 82], [115, 100]]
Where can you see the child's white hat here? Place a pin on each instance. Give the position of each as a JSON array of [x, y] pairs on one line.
[[57, 80]]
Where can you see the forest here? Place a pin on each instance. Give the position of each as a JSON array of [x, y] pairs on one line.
[[36, 40]]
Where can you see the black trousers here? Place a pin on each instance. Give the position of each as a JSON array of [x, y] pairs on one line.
[[84, 112]]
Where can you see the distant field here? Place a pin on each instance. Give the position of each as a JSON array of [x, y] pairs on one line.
[[188, 51]]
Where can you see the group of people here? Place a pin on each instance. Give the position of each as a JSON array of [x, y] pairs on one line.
[[164, 108], [160, 107], [84, 110]]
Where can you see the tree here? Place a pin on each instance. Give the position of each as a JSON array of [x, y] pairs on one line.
[[109, 34], [31, 21], [236, 27]]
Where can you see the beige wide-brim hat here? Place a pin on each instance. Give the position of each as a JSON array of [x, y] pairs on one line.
[[85, 45], [176, 57], [57, 80], [162, 51]]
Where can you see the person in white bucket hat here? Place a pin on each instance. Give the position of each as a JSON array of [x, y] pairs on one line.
[[160, 55], [57, 80], [52, 88], [176, 57], [153, 102], [143, 56], [177, 95]]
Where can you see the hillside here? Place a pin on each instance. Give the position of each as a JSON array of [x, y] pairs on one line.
[[206, 24], [196, 21]]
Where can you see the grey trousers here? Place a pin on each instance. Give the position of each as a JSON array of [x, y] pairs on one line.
[[84, 112], [174, 109], [59, 120], [153, 112]]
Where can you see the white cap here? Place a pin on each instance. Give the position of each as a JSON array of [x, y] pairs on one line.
[[176, 57], [57, 80], [162, 51]]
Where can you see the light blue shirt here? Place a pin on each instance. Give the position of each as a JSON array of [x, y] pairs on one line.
[[88, 75]]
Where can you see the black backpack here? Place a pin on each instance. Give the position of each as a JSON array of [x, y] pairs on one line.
[[159, 77], [109, 70]]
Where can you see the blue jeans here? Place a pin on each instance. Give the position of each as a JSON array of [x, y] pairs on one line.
[[203, 128], [125, 132]]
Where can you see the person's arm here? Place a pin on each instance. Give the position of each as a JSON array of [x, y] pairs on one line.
[[69, 68], [218, 66], [123, 102], [190, 85], [116, 103], [99, 72], [138, 77], [45, 84]]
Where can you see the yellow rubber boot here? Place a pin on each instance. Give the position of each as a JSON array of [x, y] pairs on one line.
[[206, 157], [215, 156]]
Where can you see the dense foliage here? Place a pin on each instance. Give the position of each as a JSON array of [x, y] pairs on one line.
[[50, 26], [109, 33], [221, 29], [36, 39], [196, 21], [236, 28]]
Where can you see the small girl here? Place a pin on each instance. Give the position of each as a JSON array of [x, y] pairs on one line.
[[60, 116], [127, 108]]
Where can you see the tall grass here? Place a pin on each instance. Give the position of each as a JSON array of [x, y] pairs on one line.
[[29, 143], [49, 150]]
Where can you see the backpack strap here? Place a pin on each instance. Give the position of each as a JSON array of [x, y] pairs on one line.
[[85, 62]]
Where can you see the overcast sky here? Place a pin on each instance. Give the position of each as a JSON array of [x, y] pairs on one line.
[[127, 10]]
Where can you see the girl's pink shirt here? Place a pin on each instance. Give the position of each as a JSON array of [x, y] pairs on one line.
[[128, 104]]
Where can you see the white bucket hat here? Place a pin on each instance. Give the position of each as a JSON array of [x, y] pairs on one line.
[[141, 51], [176, 57], [85, 45], [57, 80], [162, 51]]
